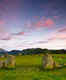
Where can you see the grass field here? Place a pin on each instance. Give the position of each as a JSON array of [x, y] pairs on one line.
[[30, 68]]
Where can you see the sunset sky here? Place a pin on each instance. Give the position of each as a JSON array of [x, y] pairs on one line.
[[32, 24]]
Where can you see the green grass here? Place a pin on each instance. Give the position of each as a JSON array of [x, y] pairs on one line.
[[30, 68]]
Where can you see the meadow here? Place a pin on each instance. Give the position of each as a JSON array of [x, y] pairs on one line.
[[29, 67]]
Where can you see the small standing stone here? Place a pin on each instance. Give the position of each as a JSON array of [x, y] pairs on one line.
[[48, 62], [19, 54], [11, 61], [1, 64]]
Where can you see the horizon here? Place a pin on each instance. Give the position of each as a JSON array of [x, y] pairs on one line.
[[27, 49], [32, 24]]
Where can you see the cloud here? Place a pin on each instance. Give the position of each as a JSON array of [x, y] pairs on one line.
[[2, 22], [45, 23], [58, 37], [41, 42], [19, 33], [49, 22], [5, 36], [61, 36], [38, 42], [62, 30], [56, 17], [52, 38], [42, 22]]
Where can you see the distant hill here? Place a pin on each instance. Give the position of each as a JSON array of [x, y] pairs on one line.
[[36, 51], [32, 51], [14, 52], [3, 51]]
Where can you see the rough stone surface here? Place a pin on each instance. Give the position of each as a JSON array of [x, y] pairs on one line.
[[48, 62], [11, 61], [1, 64]]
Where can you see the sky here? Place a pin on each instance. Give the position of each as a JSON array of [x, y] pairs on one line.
[[32, 24]]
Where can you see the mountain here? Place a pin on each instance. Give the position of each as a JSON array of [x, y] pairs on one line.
[[32, 51], [3, 51], [14, 52]]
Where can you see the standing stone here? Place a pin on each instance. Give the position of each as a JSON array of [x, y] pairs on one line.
[[5, 65], [1, 64], [6, 54], [19, 54], [48, 62], [11, 61], [2, 56]]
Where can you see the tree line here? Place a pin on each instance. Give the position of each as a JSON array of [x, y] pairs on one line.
[[36, 51]]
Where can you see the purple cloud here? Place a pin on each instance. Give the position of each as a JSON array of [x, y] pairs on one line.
[[5, 36]]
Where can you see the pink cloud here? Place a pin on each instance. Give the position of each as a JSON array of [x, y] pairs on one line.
[[52, 38], [62, 30], [2, 22], [19, 33], [61, 36], [39, 24], [58, 36], [47, 23]]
